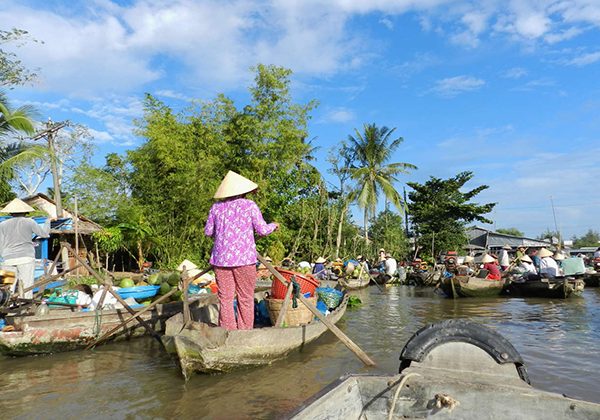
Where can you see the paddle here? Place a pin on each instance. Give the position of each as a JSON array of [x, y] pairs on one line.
[[339, 334]]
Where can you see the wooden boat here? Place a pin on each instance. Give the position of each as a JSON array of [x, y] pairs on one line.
[[453, 369], [424, 278], [591, 279], [204, 347], [63, 330], [468, 286], [354, 284], [536, 286]]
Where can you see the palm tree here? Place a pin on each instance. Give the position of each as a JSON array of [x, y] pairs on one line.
[[372, 174], [17, 121]]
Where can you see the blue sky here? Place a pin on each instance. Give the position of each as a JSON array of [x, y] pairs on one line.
[[506, 89]]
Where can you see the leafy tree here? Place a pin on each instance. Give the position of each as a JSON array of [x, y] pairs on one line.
[[12, 70], [550, 235], [372, 174], [510, 231], [591, 238], [440, 211], [387, 231], [185, 156]]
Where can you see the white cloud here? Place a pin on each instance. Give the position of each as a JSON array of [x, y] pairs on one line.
[[585, 59], [339, 115], [387, 23], [453, 86], [515, 73]]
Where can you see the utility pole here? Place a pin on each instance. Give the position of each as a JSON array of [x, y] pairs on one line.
[[556, 225], [49, 134]]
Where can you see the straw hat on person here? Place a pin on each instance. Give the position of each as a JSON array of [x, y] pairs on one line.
[[468, 259], [17, 206], [320, 260], [559, 256], [544, 253], [526, 259], [269, 259], [234, 184], [487, 258], [187, 264], [507, 247]]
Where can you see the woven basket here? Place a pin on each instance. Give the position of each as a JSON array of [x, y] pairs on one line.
[[294, 316]]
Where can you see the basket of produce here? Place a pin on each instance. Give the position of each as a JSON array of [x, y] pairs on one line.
[[138, 292], [293, 316], [308, 283], [329, 296]]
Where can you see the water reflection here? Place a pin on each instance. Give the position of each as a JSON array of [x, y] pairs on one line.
[[559, 341]]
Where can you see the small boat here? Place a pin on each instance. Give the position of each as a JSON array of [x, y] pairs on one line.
[[591, 279], [536, 286], [204, 347], [469, 286], [350, 283], [63, 330], [452, 369], [423, 278]]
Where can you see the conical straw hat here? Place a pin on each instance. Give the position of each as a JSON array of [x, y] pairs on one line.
[[234, 184], [559, 256], [17, 206], [320, 260], [188, 265], [487, 258], [544, 253], [469, 259], [526, 258]]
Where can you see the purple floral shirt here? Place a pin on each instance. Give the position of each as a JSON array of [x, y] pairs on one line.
[[232, 224]]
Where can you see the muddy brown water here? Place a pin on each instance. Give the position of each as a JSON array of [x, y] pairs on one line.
[[558, 339]]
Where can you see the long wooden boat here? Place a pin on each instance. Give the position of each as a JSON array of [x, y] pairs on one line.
[[204, 347], [468, 286], [423, 278], [354, 284], [63, 330], [591, 279], [453, 370], [535, 286]]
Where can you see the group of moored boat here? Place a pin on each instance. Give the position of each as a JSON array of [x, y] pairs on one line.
[[447, 369]]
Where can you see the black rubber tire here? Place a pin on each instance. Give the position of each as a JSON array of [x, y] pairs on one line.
[[459, 330]]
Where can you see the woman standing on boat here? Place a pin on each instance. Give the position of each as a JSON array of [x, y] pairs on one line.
[[232, 222]]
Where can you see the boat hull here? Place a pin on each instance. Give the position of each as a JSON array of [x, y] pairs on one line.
[[208, 349], [592, 279], [464, 286], [546, 288], [63, 330]]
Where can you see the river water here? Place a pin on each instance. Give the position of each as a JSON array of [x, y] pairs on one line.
[[558, 339]]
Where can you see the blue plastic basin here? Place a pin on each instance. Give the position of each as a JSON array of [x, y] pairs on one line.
[[138, 292]]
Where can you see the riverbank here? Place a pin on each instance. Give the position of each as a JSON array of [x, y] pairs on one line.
[[559, 340]]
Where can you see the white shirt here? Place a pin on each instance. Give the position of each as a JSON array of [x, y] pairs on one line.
[[597, 254], [391, 266], [504, 262], [549, 266], [528, 267]]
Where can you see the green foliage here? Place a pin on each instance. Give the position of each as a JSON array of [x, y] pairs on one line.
[[108, 239], [510, 231], [387, 231], [12, 70], [591, 238], [373, 175], [439, 210], [176, 171], [549, 235]]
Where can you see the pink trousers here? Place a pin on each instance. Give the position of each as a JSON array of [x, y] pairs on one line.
[[240, 281]]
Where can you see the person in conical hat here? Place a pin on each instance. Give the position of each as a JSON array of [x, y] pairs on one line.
[[16, 246], [548, 265], [319, 270], [489, 264], [504, 259], [526, 265], [232, 222]]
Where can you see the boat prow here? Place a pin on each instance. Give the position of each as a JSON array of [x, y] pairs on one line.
[[452, 369]]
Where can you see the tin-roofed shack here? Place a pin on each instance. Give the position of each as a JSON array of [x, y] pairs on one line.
[[493, 241], [62, 229]]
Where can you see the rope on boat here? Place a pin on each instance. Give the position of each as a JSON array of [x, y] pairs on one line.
[[397, 393]]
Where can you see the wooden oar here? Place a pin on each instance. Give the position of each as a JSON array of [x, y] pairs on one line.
[[285, 305], [339, 334]]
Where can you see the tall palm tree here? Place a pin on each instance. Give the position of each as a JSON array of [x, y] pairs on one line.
[[372, 174]]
